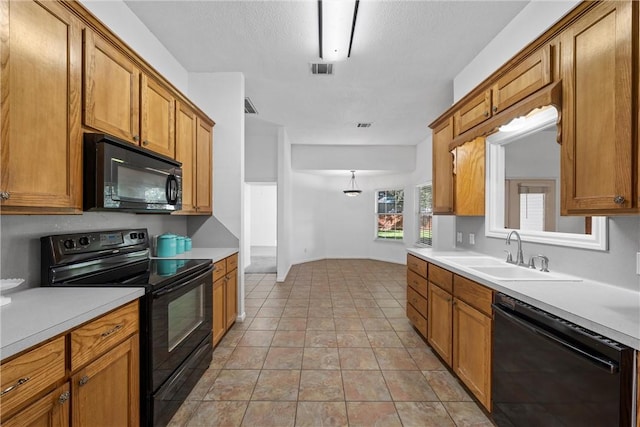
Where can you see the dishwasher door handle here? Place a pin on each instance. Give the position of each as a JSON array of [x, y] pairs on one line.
[[605, 364]]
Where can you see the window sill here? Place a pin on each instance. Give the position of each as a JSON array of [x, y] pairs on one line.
[[388, 240]]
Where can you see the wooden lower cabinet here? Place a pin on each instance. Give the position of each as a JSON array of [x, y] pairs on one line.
[[472, 350], [225, 296], [439, 330], [219, 318], [231, 297], [42, 387], [52, 410], [106, 392]]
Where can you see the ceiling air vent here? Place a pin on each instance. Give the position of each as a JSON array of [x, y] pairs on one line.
[[248, 107], [364, 125], [326, 69]]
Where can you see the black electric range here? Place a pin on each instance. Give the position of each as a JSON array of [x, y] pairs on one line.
[[176, 311]]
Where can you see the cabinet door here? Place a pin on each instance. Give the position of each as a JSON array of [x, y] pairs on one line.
[[204, 164], [597, 138], [107, 391], [439, 321], [469, 178], [40, 84], [157, 127], [231, 297], [51, 410], [111, 89], [186, 154], [528, 76], [472, 350], [443, 169], [473, 112], [219, 315]]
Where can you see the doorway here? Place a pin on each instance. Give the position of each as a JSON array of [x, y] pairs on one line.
[[261, 232]]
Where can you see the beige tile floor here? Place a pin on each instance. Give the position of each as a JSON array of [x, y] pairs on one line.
[[331, 346]]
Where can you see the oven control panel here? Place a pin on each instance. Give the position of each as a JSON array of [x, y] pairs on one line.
[[64, 246]]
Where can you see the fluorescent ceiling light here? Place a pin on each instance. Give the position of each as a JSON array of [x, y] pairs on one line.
[[336, 20]]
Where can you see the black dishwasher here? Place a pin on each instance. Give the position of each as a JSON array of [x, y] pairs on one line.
[[550, 372]]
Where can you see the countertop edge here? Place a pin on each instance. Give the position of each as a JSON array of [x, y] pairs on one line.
[[52, 331], [600, 328], [214, 254]]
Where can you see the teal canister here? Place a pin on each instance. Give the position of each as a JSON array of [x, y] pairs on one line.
[[179, 245], [187, 244], [166, 245]]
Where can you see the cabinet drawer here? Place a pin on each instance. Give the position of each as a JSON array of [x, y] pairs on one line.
[[524, 79], [418, 321], [232, 263], [98, 336], [419, 284], [417, 265], [29, 374], [441, 277], [219, 270], [473, 294], [417, 301], [472, 113]]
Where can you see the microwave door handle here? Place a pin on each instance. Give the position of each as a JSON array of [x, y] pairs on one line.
[[171, 189]]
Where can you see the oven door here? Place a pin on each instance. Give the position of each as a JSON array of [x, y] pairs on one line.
[[181, 317]]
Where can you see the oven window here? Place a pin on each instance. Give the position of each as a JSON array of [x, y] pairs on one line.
[[146, 185], [186, 313]]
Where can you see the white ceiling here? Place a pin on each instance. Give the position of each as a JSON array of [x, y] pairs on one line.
[[405, 55]]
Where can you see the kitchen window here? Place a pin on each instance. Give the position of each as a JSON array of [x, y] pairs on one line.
[[425, 214], [389, 214]]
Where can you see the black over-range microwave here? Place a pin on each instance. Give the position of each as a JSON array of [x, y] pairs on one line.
[[119, 176]]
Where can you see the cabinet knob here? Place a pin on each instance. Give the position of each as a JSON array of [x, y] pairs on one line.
[[145, 143], [618, 200], [4, 195], [486, 114], [136, 138], [84, 380], [495, 108], [63, 397]]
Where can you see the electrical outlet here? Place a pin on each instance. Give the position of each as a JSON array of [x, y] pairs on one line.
[[472, 239], [638, 263], [459, 237]]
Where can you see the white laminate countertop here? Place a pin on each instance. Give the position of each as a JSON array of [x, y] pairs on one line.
[[611, 311], [214, 254], [38, 314]]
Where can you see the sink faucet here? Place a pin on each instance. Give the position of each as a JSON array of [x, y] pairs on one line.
[[519, 257]]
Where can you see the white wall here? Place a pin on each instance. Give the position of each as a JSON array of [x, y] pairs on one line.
[[534, 19], [261, 150], [285, 222], [353, 157], [116, 15], [264, 214], [221, 96]]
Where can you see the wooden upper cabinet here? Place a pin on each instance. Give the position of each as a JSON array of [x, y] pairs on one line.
[[111, 89], [157, 123], [443, 201], [204, 162], [533, 73], [473, 112], [40, 87], [469, 175], [597, 132], [186, 154]]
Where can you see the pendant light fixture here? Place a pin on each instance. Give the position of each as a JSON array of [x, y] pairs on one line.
[[353, 190]]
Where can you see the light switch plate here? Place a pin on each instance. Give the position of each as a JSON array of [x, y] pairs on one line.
[[638, 263], [459, 237], [472, 239]]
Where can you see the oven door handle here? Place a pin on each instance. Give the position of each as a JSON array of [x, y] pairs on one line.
[[187, 282], [605, 364]]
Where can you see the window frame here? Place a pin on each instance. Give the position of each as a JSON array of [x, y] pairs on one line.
[[419, 215], [377, 215]]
